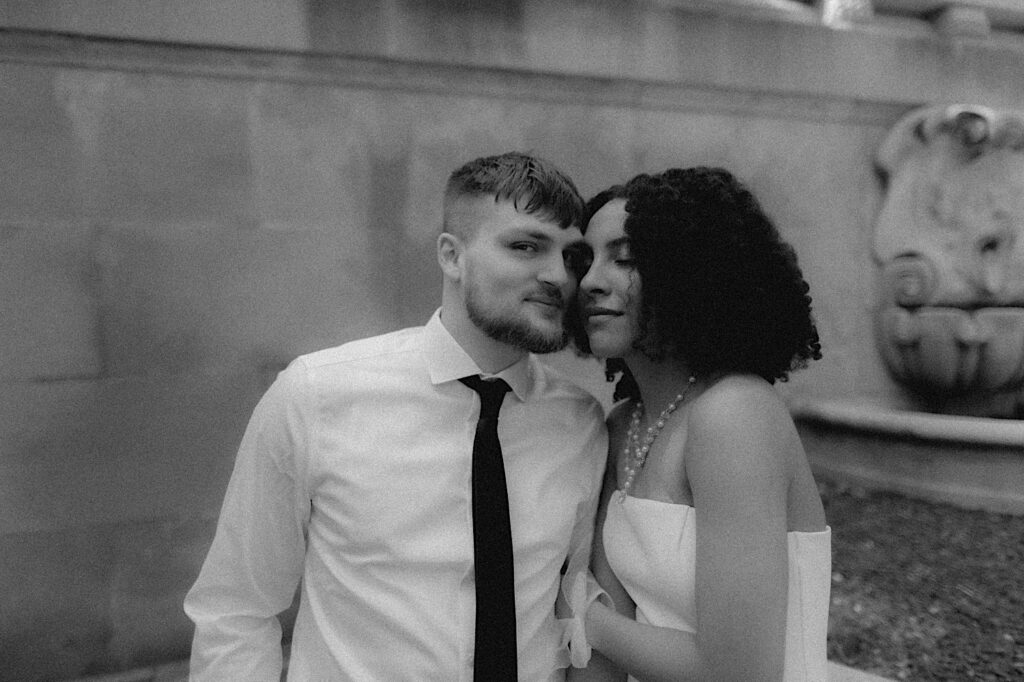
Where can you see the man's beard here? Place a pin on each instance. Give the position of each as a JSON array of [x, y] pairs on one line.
[[516, 332]]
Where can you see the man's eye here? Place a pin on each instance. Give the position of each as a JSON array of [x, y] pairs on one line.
[[625, 262], [528, 247]]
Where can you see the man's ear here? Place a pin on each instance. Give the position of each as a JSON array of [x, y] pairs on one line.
[[449, 255]]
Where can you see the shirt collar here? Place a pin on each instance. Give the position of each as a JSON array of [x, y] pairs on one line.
[[447, 361]]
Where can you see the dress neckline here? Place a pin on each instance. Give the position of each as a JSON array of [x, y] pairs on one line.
[[651, 499], [688, 508]]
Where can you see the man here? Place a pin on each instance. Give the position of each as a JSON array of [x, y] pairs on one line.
[[357, 471]]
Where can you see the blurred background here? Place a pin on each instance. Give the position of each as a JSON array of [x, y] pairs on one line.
[[194, 192]]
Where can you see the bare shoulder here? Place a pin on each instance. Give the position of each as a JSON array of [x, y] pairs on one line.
[[745, 455], [740, 424], [737, 402]]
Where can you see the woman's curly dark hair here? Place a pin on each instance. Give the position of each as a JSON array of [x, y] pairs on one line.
[[720, 288]]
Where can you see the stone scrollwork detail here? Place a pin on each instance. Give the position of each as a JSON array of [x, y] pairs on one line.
[[950, 243]]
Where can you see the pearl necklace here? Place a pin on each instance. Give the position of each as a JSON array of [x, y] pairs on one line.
[[635, 453]]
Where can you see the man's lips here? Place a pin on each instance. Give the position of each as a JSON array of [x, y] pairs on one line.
[[548, 301]]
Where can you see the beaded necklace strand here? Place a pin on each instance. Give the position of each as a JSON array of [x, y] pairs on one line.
[[635, 453]]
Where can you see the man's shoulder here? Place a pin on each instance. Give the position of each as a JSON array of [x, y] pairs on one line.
[[366, 350]]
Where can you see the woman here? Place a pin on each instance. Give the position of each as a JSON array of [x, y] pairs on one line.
[[711, 539]]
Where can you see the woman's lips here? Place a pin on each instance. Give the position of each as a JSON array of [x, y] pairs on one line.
[[599, 313]]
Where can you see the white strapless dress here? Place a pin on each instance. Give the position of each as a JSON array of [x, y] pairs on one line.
[[651, 547]]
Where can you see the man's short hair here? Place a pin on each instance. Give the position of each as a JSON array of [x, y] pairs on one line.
[[533, 185]]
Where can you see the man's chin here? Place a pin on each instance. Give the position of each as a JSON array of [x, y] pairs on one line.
[[534, 332], [551, 345], [548, 336], [534, 339]]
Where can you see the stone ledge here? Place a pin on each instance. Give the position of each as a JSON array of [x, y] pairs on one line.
[[969, 462], [404, 75], [1000, 14], [922, 426]]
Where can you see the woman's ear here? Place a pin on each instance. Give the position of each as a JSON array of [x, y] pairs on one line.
[[449, 255]]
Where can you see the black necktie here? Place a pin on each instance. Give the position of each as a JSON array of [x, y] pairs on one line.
[[494, 656]]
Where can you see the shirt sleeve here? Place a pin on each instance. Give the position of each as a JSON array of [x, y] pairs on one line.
[[256, 560], [595, 454]]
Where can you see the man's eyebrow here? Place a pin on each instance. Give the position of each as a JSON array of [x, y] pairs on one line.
[[616, 243], [530, 234]]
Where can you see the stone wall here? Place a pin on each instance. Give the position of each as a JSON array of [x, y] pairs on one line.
[[193, 193]]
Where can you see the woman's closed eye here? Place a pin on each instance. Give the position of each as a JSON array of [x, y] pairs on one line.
[[623, 257]]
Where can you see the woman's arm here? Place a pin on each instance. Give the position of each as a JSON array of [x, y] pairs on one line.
[[739, 474], [735, 459]]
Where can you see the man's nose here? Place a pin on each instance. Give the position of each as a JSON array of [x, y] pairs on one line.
[[556, 272]]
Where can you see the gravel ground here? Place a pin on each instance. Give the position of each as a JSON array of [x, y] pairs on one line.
[[924, 591]]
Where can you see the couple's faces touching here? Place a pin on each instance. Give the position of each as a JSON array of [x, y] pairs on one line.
[[520, 272], [516, 271], [609, 296]]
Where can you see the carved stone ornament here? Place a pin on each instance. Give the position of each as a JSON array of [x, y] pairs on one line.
[[950, 242]]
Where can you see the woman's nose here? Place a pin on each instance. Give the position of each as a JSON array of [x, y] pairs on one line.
[[592, 280]]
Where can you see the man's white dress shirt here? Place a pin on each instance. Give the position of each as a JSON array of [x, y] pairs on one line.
[[354, 476]]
